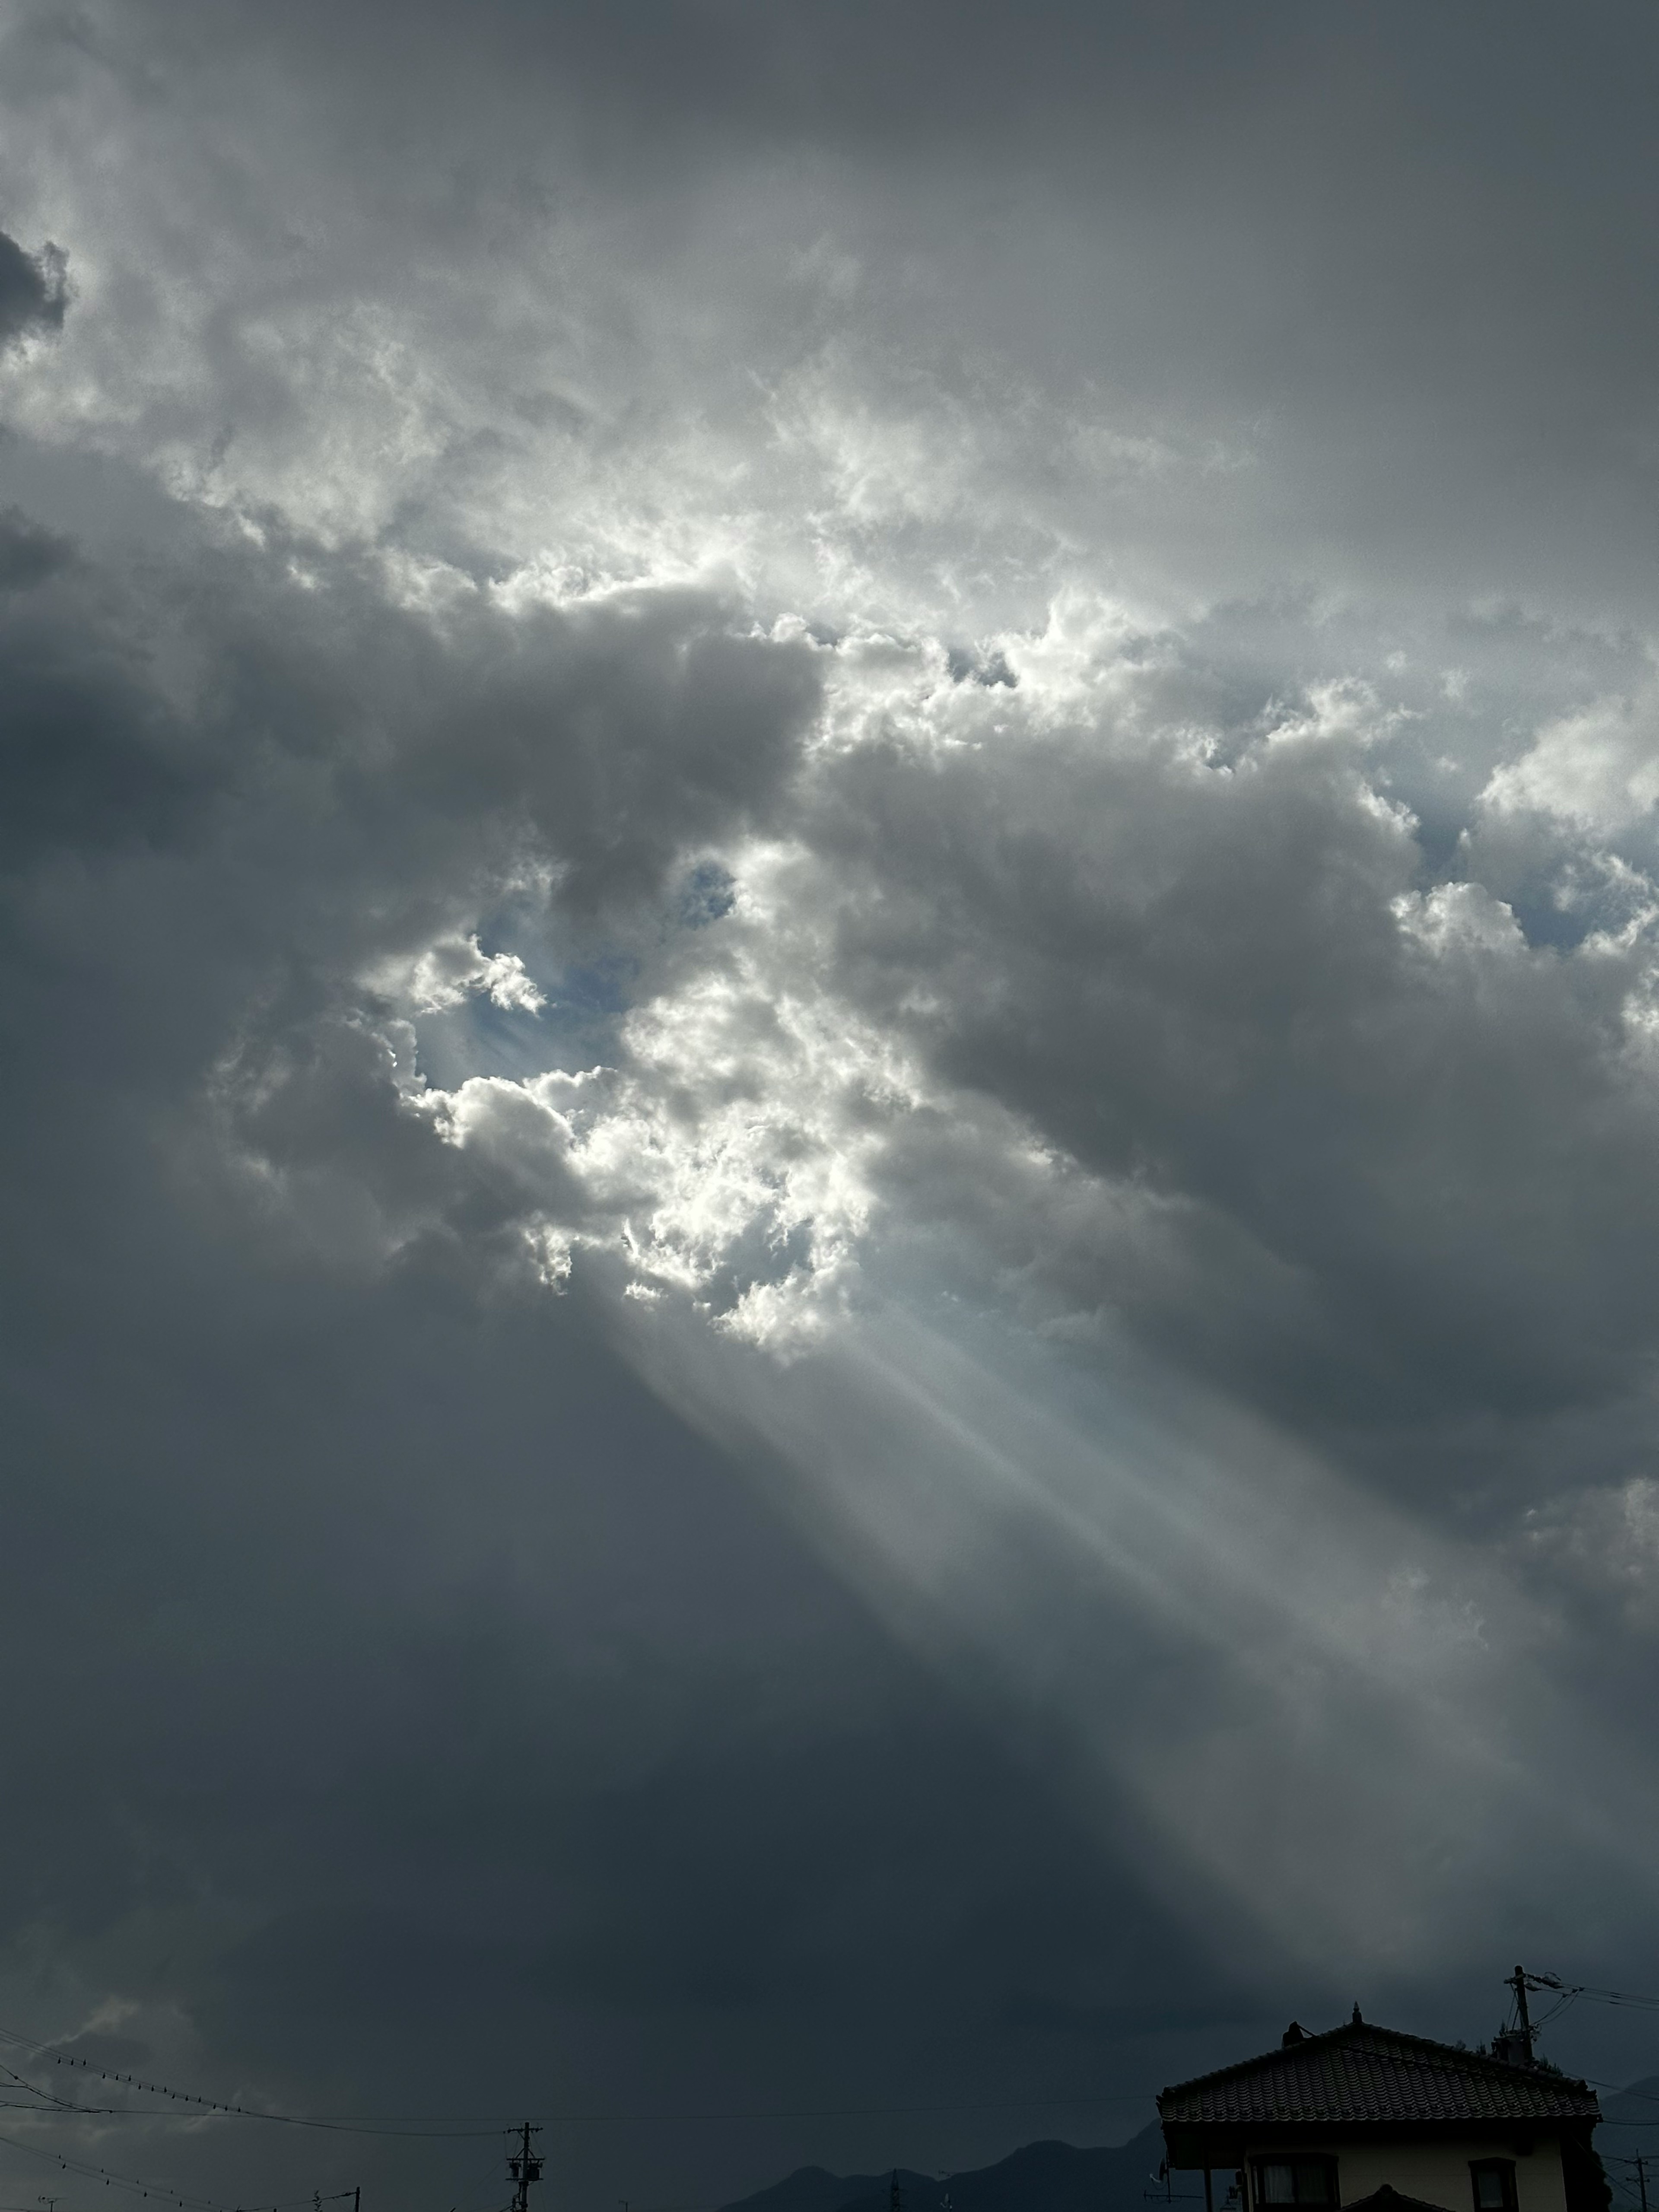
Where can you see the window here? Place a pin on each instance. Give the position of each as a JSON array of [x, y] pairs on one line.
[[1299, 2181], [1494, 2184]]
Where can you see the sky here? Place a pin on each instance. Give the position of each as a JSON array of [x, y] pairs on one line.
[[829, 893]]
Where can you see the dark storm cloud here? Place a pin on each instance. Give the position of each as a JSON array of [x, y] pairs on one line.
[[28, 555], [411, 1656], [33, 290], [609, 739], [1442, 1156], [86, 756], [496, 863], [359, 1581], [337, 781]]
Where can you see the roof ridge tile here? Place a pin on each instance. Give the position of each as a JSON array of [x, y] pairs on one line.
[[1363, 2072]]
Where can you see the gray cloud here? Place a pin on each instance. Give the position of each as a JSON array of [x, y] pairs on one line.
[[750, 1375], [34, 290], [1369, 285], [357, 1570], [28, 555], [1195, 976]]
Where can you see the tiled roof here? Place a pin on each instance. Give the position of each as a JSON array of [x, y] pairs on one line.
[[1358, 2073]]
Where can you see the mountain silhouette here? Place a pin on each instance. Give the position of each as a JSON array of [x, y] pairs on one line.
[[1631, 2127], [1043, 2176]]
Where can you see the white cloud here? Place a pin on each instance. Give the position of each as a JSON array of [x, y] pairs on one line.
[[1598, 768], [447, 969], [1458, 917]]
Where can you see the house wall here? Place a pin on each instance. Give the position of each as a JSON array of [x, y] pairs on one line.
[[1437, 2173]]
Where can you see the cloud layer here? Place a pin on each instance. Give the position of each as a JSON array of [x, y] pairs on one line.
[[829, 892]]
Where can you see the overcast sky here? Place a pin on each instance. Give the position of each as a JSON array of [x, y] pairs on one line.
[[830, 887]]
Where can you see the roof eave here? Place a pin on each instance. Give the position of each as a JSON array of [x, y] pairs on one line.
[[1225, 2143]]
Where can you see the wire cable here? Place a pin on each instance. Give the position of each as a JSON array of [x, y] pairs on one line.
[[459, 2126], [84, 2168], [1571, 1989]]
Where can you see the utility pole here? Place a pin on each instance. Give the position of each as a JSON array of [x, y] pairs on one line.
[[1517, 1982], [524, 2168], [1641, 2165], [895, 2194]]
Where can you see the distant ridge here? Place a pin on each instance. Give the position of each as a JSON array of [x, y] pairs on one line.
[[1638, 2105], [1631, 2119], [1043, 2176]]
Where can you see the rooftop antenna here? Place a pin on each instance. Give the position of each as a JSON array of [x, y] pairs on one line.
[[524, 2168]]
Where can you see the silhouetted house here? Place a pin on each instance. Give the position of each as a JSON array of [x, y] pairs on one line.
[[1375, 2121]]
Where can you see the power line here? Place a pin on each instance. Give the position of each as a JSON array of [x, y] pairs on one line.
[[1614, 2089], [110, 2179], [1568, 1991], [461, 2126], [55, 2107], [458, 2124]]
